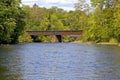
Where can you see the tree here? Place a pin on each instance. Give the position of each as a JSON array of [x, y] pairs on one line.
[[103, 21], [105, 13], [11, 21], [116, 21], [82, 5]]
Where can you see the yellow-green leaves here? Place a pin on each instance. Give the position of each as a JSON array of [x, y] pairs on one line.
[[11, 21]]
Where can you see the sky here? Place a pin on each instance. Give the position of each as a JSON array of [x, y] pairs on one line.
[[64, 4]]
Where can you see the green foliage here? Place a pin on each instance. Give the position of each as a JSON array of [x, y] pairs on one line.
[[38, 18], [25, 38], [11, 21], [99, 21], [69, 38], [113, 40], [43, 38], [116, 21], [103, 22]]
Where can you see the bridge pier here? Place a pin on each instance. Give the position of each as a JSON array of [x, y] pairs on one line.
[[34, 38], [59, 38], [56, 38]]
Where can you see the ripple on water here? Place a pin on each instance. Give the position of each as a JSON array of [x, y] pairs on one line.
[[59, 61]]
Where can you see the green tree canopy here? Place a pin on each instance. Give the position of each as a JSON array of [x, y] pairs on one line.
[[11, 21], [103, 21]]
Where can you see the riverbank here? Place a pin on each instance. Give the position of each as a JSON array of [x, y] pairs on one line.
[[108, 43], [100, 43]]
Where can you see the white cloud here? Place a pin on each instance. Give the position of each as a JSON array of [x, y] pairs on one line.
[[65, 4]]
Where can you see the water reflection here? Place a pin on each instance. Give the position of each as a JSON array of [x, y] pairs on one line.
[[107, 68], [9, 63], [59, 61]]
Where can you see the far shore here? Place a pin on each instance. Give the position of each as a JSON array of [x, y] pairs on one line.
[[101, 43]]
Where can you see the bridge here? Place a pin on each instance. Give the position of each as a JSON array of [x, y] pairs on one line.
[[58, 34]]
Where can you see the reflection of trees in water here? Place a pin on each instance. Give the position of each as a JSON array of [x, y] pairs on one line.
[[9, 63], [108, 57], [3, 71]]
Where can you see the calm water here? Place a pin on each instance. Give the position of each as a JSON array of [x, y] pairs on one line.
[[59, 61]]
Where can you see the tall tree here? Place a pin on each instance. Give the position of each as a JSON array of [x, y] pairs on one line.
[[116, 21], [11, 21], [82, 5], [103, 21]]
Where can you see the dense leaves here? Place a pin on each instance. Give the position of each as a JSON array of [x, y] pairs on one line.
[[53, 19], [103, 21], [11, 21], [99, 20]]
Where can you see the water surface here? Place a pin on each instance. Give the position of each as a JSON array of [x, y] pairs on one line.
[[59, 61]]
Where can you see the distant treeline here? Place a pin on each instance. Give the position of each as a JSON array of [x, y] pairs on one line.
[[99, 20]]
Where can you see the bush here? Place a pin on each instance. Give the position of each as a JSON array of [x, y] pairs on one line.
[[25, 38], [113, 40]]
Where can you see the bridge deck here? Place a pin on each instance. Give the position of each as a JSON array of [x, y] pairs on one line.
[[70, 32]]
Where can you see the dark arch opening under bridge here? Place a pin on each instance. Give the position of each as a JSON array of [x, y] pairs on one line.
[[58, 34]]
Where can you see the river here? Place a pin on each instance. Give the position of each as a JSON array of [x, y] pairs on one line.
[[59, 61]]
